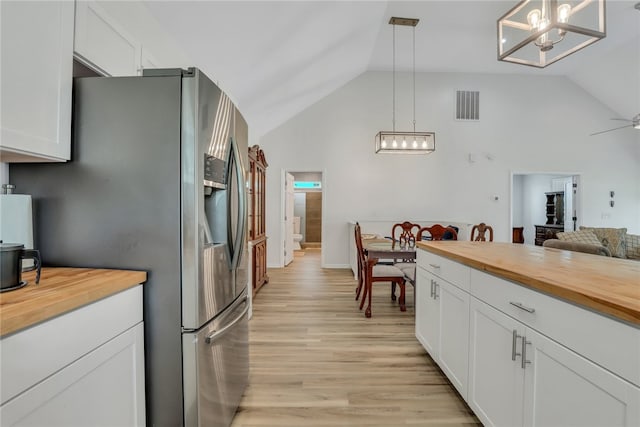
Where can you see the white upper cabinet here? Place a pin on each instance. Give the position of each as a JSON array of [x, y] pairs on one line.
[[147, 60], [36, 76], [104, 43]]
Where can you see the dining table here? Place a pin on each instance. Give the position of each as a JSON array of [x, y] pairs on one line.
[[386, 249]]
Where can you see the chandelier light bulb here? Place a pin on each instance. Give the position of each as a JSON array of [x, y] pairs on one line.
[[404, 143], [533, 18], [415, 144], [424, 144], [394, 144], [564, 10], [383, 144], [543, 23]]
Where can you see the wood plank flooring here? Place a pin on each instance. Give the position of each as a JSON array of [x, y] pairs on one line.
[[317, 361]]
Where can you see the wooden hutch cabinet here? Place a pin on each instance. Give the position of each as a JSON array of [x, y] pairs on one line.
[[555, 218], [257, 236]]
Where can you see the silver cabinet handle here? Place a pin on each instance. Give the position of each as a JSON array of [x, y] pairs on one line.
[[514, 345], [431, 290], [434, 265], [522, 307], [524, 352], [436, 295]]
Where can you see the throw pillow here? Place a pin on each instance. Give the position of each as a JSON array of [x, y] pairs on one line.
[[612, 238], [582, 236], [633, 246]]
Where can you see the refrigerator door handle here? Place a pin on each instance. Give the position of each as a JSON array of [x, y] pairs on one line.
[[242, 208], [217, 334]]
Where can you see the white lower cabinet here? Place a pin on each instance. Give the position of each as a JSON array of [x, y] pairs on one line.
[[499, 347], [520, 377], [98, 389], [562, 388], [495, 376], [83, 368], [427, 313], [442, 326]]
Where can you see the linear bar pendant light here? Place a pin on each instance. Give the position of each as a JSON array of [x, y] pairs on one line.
[[405, 142]]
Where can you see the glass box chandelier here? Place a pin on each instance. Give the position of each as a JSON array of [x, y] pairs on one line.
[[541, 32], [405, 142]]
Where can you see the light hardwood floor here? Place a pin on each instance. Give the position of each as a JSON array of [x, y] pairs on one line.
[[317, 361]]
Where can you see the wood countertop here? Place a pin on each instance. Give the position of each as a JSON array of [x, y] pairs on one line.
[[606, 285], [60, 290]]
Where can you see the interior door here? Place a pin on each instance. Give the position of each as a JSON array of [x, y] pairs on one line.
[[288, 219]]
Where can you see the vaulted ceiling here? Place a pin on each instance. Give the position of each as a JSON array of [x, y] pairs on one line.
[[275, 58]]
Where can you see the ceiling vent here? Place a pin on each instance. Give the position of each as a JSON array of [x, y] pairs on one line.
[[467, 105]]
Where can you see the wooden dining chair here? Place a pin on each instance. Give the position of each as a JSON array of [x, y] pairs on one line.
[[481, 229], [370, 273], [437, 232], [404, 232]]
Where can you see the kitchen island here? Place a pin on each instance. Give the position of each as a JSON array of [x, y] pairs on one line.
[[531, 335], [72, 349]]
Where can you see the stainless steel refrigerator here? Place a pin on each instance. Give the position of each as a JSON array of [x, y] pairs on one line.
[[157, 183]]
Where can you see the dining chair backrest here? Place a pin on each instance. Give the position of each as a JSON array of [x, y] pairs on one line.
[[437, 232], [359, 247], [481, 229], [405, 232]]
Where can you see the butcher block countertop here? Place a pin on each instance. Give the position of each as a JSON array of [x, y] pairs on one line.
[[605, 285], [60, 290]]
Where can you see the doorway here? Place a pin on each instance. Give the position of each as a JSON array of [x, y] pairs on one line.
[[302, 223], [529, 197]]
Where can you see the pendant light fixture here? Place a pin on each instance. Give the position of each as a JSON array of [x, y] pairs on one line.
[[541, 32], [405, 142]]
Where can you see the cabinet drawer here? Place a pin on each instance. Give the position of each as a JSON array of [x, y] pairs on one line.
[[611, 344], [451, 271], [64, 339]]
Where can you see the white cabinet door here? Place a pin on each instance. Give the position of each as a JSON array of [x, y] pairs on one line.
[[495, 373], [453, 354], [102, 42], [36, 76], [427, 312], [565, 389], [105, 387]]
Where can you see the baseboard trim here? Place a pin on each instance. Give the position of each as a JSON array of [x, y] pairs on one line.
[[337, 266]]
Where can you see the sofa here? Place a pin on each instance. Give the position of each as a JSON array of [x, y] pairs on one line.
[[576, 247], [614, 242]]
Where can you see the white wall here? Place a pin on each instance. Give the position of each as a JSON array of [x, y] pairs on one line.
[[526, 123]]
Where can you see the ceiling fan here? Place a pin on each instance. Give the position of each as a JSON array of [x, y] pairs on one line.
[[635, 122]]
